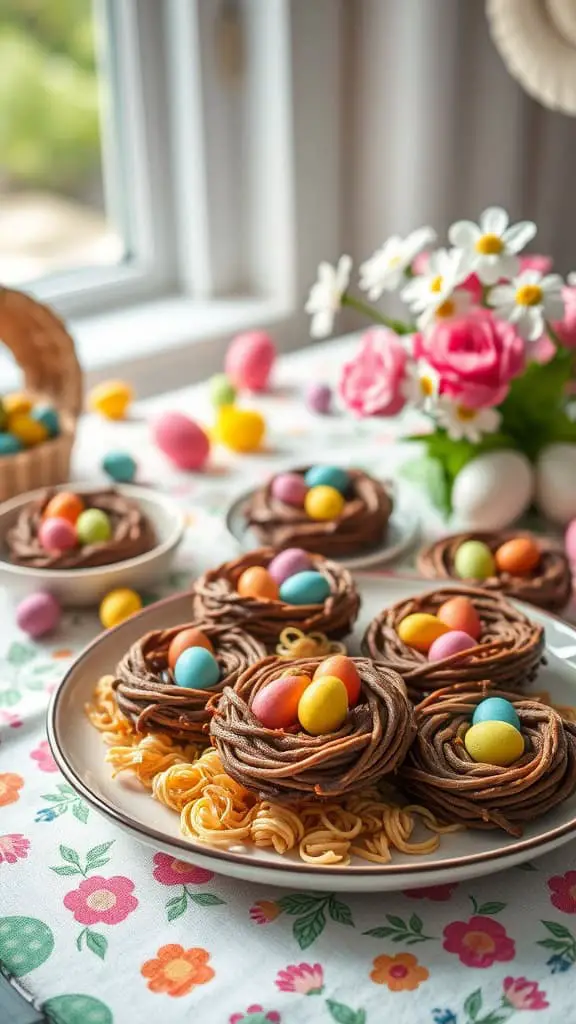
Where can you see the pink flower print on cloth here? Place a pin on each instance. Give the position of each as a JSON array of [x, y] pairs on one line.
[[479, 942], [437, 893], [524, 995], [13, 847], [264, 911], [108, 900], [306, 979], [170, 871], [563, 892], [255, 1014], [43, 756]]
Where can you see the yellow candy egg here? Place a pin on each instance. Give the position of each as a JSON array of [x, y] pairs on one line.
[[420, 630], [242, 430], [27, 430], [323, 502], [111, 399], [17, 402], [119, 605], [323, 706], [495, 743]]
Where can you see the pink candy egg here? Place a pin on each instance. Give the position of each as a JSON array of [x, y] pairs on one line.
[[450, 643], [57, 534], [319, 398], [289, 488], [182, 440], [570, 542], [249, 360], [38, 614], [288, 563]]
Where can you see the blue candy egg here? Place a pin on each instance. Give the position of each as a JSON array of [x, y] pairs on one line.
[[49, 417], [329, 476], [305, 588], [197, 669], [9, 444], [120, 466], [496, 709]]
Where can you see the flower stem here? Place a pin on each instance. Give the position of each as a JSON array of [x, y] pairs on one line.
[[373, 314]]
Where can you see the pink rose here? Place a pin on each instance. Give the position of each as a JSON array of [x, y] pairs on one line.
[[535, 261], [476, 357], [566, 328], [371, 383]]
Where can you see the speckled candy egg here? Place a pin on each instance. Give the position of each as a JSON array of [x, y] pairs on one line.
[[241, 430], [460, 613], [184, 442], [323, 706], [495, 743], [120, 466], [57, 534], [329, 476], [518, 557], [289, 488], [65, 505], [450, 643], [48, 417], [496, 709], [323, 503], [276, 705], [10, 445], [318, 398], [474, 561], [38, 614], [197, 669], [192, 637], [249, 360], [288, 563], [118, 606], [420, 630], [305, 588], [93, 526], [111, 399], [257, 582], [222, 390]]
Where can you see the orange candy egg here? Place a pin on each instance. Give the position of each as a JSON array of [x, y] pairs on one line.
[[188, 638], [343, 668], [64, 505], [518, 557], [459, 613], [257, 582], [276, 705]]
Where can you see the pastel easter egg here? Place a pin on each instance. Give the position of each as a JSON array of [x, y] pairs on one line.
[[318, 398], [288, 563], [323, 706], [77, 1009], [118, 606], [17, 402], [93, 526], [420, 630], [497, 743], [241, 430], [496, 709], [276, 705], [222, 390], [182, 440], [25, 943], [57, 534], [38, 614], [450, 643], [111, 399], [10, 445], [257, 582], [48, 417], [343, 668], [197, 669], [518, 556], [187, 638], [29, 431], [307, 587], [120, 466], [459, 613], [329, 476], [249, 360], [323, 503], [474, 561], [65, 505], [289, 488]]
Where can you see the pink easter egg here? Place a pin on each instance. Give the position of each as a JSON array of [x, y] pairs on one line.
[[288, 563], [291, 488], [249, 360], [450, 643], [319, 398], [57, 534], [570, 542], [184, 442], [38, 614]]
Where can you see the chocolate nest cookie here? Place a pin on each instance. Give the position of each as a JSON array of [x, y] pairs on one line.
[[361, 525], [440, 773], [147, 693], [509, 650], [132, 534], [548, 586], [214, 597], [286, 765]]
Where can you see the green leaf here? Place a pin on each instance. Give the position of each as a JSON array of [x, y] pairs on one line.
[[558, 930], [379, 933], [97, 863], [473, 1004], [552, 943], [67, 853], [97, 852], [397, 922], [80, 811], [20, 654], [63, 787], [66, 870], [340, 912], [307, 929], [97, 943], [206, 899], [176, 907], [8, 698], [430, 475], [298, 903], [51, 797], [490, 908], [343, 1014], [415, 923]]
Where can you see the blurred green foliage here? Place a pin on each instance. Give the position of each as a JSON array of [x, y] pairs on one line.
[[49, 117]]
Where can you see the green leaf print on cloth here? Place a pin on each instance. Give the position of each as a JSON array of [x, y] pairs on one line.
[[77, 1009], [310, 910], [343, 1014], [25, 943]]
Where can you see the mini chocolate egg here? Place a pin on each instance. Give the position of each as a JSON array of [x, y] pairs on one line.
[[343, 668], [318, 398], [288, 563], [10, 445], [65, 505], [474, 561], [111, 399], [187, 638], [222, 390], [48, 416], [182, 440], [38, 614], [29, 431], [196, 669], [307, 587], [257, 582], [57, 534], [518, 557], [323, 706], [459, 613], [497, 743], [496, 709], [289, 488], [276, 705], [118, 606], [120, 466], [241, 430], [249, 360], [17, 402], [420, 630], [329, 476], [450, 643], [323, 502], [93, 526]]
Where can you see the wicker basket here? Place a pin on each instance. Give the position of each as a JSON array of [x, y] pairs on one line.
[[44, 350]]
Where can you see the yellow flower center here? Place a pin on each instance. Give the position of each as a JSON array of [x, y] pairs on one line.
[[446, 309], [489, 245], [394, 261], [466, 414], [436, 283], [178, 969], [101, 899], [529, 295], [427, 386], [479, 942], [180, 866]]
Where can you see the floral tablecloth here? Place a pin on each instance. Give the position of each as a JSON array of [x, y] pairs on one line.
[[97, 928]]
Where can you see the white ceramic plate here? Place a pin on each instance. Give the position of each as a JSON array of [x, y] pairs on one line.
[[79, 751]]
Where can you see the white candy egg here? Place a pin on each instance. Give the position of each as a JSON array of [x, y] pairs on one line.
[[556, 482], [492, 491]]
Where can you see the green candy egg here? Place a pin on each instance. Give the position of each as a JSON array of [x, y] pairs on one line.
[[93, 526], [474, 561], [497, 743], [9, 444], [25, 943], [222, 391]]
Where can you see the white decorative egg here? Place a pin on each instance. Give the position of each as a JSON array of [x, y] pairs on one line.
[[556, 482], [492, 491]]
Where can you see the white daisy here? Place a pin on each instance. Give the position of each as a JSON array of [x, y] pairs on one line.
[[420, 385], [325, 298], [431, 294], [461, 422], [492, 245], [384, 271], [528, 301]]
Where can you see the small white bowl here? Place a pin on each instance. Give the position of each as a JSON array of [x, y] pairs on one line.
[[83, 587]]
